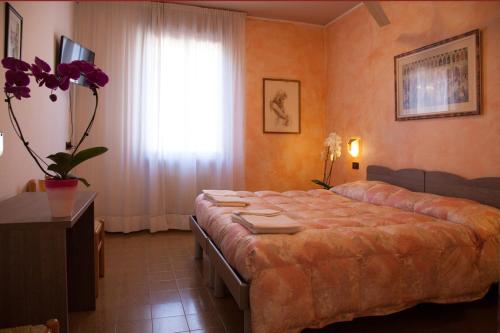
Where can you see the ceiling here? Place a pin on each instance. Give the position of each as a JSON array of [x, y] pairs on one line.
[[315, 12]]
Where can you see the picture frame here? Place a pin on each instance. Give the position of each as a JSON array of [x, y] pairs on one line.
[[439, 80], [281, 106], [13, 32]]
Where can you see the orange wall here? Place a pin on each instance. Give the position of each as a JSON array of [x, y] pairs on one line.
[[360, 90], [287, 51]]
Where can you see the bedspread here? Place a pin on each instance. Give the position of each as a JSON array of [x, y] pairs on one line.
[[367, 248]]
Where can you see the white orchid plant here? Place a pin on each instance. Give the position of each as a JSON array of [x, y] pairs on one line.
[[332, 149]]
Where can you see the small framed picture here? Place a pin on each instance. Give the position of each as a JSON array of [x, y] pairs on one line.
[[440, 80], [13, 32], [281, 105]]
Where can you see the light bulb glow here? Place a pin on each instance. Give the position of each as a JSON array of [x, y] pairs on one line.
[[1, 143], [353, 147]]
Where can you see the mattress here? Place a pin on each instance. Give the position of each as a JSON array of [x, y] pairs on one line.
[[366, 248]]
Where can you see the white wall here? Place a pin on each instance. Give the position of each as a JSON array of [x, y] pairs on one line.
[[45, 124]]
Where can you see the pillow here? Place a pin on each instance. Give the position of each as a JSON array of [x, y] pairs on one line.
[[355, 190]]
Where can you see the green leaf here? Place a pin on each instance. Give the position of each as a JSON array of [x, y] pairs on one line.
[[84, 181], [62, 163], [322, 184], [60, 157], [86, 154]]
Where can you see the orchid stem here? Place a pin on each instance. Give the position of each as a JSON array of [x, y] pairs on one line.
[[89, 127], [330, 173], [19, 133], [326, 163]]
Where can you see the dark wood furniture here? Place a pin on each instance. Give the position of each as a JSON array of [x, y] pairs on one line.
[[46, 264], [412, 179], [483, 190]]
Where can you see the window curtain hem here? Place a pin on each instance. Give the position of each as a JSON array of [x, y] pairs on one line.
[[151, 223]]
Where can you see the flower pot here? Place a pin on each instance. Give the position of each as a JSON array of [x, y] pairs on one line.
[[61, 194]]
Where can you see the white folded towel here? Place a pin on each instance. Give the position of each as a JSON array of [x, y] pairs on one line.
[[258, 212], [220, 193], [257, 224], [226, 201]]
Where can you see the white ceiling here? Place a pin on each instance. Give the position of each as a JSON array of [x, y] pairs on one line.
[[315, 12]]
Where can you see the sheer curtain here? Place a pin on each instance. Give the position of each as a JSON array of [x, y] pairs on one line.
[[172, 114]]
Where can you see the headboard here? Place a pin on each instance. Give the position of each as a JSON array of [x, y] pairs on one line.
[[412, 179], [483, 190]]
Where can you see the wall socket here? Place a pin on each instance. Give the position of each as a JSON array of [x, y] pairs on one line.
[[355, 165]]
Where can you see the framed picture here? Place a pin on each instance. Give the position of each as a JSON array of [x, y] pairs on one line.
[[439, 80], [281, 106], [13, 32]]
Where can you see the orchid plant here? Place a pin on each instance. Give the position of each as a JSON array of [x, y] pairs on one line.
[[17, 80], [332, 149]]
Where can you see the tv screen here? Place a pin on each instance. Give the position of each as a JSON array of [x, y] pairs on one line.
[[70, 51]]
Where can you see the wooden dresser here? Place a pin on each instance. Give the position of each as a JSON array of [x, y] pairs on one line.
[[46, 264]]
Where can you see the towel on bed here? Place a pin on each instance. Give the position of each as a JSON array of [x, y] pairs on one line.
[[258, 224], [258, 212], [227, 193], [227, 201]]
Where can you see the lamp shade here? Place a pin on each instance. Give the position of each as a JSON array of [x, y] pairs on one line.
[[353, 147]]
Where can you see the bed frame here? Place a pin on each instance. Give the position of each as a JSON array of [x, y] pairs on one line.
[[223, 277]]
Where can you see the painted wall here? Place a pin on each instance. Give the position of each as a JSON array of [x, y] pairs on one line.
[[360, 97], [45, 124], [285, 51]]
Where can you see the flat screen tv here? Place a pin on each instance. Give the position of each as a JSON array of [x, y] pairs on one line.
[[70, 51]]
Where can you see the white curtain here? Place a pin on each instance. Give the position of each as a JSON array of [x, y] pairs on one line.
[[172, 114]]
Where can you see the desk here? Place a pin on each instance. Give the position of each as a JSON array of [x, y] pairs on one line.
[[46, 264]]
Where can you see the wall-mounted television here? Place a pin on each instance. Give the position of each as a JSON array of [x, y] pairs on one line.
[[70, 50]]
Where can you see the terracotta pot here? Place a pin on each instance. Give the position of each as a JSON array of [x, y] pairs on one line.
[[61, 194]]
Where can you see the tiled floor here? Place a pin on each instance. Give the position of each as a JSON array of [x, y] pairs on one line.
[[153, 284]]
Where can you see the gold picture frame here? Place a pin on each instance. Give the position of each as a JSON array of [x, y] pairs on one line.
[[442, 79]]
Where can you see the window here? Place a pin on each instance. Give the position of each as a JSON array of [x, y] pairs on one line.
[[184, 103]]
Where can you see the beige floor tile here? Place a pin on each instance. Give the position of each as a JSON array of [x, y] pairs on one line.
[[196, 300], [190, 282], [158, 285], [160, 276], [203, 320], [160, 297], [167, 309], [140, 326], [132, 313], [170, 325]]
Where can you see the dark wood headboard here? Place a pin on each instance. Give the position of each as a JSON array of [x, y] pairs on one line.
[[483, 190], [412, 179]]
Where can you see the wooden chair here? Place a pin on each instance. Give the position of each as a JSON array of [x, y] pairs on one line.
[[51, 326], [35, 186], [98, 252]]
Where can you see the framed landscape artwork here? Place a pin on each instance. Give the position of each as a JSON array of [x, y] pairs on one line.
[[281, 106], [439, 80], [13, 32]]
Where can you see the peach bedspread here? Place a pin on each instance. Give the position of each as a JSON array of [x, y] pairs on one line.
[[367, 248]]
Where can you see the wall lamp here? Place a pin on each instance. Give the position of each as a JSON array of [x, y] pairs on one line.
[[353, 147]]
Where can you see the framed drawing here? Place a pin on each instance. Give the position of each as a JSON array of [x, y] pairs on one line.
[[281, 106], [439, 80], [13, 32]]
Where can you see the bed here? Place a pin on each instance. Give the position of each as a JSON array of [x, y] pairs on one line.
[[368, 248]]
